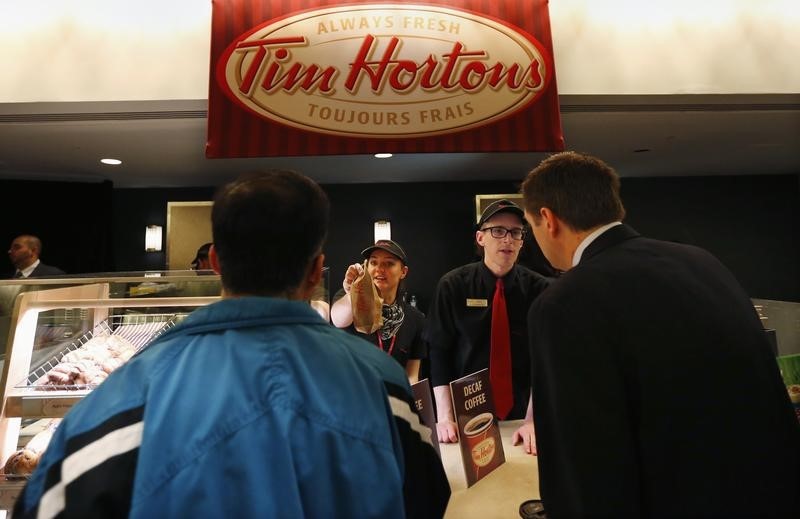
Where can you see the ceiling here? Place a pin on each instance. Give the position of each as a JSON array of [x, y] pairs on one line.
[[162, 143]]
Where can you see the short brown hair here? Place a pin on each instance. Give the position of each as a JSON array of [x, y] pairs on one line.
[[581, 190]]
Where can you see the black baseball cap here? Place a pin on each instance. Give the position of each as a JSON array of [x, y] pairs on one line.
[[202, 252], [389, 246], [501, 206]]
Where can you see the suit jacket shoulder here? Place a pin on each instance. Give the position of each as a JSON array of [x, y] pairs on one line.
[[44, 270]]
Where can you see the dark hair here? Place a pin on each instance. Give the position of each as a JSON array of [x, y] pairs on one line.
[[581, 190], [267, 227], [202, 254]]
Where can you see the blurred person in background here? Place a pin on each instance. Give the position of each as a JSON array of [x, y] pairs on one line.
[[200, 261], [24, 254]]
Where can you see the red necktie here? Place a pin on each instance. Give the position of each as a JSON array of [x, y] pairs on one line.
[[500, 356]]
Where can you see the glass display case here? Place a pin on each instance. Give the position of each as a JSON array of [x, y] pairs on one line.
[[44, 321]]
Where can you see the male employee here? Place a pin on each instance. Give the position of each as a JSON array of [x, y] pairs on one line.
[[460, 321]]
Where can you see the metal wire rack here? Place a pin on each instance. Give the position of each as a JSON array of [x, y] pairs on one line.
[[139, 329]]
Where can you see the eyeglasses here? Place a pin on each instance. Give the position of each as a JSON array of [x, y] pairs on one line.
[[500, 232]]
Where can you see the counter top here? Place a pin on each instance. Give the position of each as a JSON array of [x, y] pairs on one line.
[[499, 494]]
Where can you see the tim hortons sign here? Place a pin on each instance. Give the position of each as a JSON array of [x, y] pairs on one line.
[[366, 77]]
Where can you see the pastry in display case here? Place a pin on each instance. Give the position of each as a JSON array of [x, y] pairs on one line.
[[78, 368], [22, 462]]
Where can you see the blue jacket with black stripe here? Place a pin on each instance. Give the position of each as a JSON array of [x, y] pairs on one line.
[[251, 407]]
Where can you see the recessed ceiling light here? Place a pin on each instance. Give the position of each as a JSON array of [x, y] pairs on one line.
[[382, 155], [111, 162]]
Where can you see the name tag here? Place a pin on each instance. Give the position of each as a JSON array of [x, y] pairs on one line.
[[480, 303]]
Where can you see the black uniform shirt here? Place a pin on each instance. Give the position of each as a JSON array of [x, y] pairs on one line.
[[460, 322], [408, 342]]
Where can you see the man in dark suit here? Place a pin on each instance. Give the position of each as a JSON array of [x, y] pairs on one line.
[[655, 392], [24, 255]]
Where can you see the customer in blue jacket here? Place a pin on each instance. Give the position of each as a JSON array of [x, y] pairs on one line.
[[253, 406]]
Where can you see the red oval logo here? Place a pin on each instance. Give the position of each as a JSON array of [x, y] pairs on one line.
[[384, 71]]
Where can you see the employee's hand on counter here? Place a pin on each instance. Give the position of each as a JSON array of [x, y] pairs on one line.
[[526, 435], [447, 432], [446, 428]]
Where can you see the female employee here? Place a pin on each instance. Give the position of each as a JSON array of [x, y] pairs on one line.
[[401, 333]]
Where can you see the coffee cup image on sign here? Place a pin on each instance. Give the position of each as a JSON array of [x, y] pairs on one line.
[[480, 441], [478, 424]]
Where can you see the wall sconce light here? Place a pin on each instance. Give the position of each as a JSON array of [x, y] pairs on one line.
[[152, 238], [383, 230]]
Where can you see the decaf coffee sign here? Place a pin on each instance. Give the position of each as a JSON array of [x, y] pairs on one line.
[[478, 431], [423, 402], [365, 77]]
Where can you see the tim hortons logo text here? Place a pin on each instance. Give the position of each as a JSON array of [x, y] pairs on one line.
[[384, 71]]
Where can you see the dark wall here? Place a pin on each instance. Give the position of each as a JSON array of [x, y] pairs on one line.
[[72, 219], [752, 223], [135, 209], [434, 222]]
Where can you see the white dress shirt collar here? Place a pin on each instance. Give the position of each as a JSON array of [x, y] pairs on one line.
[[26, 272], [576, 258]]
